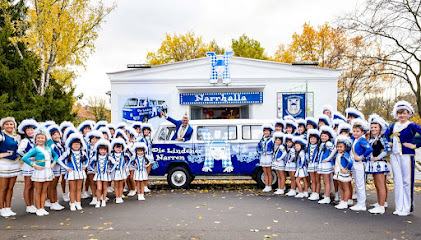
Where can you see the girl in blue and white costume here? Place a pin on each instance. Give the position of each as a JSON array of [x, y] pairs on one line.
[[327, 151], [328, 111], [313, 139], [324, 120], [342, 166], [301, 172], [278, 163], [27, 128], [103, 164], [66, 129], [279, 125], [141, 163], [45, 160], [290, 126], [100, 124], [137, 126], [120, 133], [402, 159], [106, 134], [147, 139], [377, 162], [119, 175], [265, 150], [290, 165], [112, 129], [93, 137], [85, 127], [75, 161], [311, 123], [9, 164], [301, 128], [57, 146]]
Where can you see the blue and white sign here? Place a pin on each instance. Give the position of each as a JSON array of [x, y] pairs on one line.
[[294, 104], [221, 98], [220, 67]]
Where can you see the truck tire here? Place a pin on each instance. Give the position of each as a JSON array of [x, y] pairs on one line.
[[179, 177], [260, 179]]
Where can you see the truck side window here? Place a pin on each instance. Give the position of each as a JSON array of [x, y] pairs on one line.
[[252, 132], [166, 133], [217, 132]]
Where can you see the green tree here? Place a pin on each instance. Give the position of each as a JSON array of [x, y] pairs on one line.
[[18, 66], [247, 47]]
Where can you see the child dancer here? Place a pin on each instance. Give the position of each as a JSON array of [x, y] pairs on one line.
[[75, 161], [328, 110], [301, 129], [45, 159], [103, 164], [119, 175], [130, 170], [85, 127], [377, 164], [58, 170], [311, 123], [279, 125], [27, 127], [313, 138], [290, 126], [66, 133], [147, 139], [360, 150], [106, 134], [265, 149], [278, 163], [301, 172], [324, 120], [93, 137], [402, 159], [342, 167], [326, 152], [137, 126], [352, 113], [290, 165], [141, 163]]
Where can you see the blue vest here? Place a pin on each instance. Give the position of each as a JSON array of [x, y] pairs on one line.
[[9, 144], [346, 161], [406, 135]]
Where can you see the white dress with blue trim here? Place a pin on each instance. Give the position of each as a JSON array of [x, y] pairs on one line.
[[301, 165], [58, 170], [119, 172], [381, 148], [140, 173], [45, 174], [311, 156], [102, 164], [290, 164], [25, 146], [279, 158], [265, 148], [326, 152], [10, 165], [75, 160]]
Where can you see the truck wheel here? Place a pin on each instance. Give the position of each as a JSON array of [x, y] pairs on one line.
[[179, 177], [260, 179], [145, 119]]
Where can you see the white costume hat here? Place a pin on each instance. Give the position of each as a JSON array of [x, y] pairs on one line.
[[402, 105], [329, 108], [84, 124], [300, 140], [27, 123], [279, 122], [278, 135], [355, 112], [100, 124], [325, 118], [343, 139], [138, 145], [344, 126], [358, 122], [7, 119], [288, 136], [328, 130], [313, 121], [106, 131], [374, 118], [338, 115], [73, 137], [103, 142], [267, 126], [312, 132], [94, 133], [118, 141]]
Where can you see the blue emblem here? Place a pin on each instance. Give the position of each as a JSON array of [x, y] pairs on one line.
[[220, 65]]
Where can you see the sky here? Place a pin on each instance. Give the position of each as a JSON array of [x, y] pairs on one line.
[[137, 27]]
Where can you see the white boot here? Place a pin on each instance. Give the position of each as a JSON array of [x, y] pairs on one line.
[[103, 203], [146, 189], [72, 206], [58, 205], [291, 193], [44, 211], [55, 206], [119, 200], [141, 197], [85, 195], [358, 207], [314, 197], [47, 203], [78, 206], [9, 210], [94, 201], [279, 192], [342, 205], [31, 209], [377, 210], [98, 204], [325, 200], [65, 197], [40, 213], [131, 193]]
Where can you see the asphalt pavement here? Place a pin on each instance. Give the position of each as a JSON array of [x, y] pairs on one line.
[[233, 210]]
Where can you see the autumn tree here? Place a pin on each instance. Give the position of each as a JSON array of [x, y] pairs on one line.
[[247, 47], [334, 48], [396, 24], [62, 34], [97, 107], [177, 48]]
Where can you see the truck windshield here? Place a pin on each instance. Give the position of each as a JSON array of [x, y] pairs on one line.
[[131, 102]]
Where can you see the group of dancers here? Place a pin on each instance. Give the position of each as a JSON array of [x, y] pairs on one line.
[[89, 157], [338, 149]]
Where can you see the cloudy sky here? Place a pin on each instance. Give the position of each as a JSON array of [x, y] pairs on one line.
[[136, 27]]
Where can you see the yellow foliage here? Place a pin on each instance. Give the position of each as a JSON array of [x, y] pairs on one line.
[[416, 119], [179, 48]]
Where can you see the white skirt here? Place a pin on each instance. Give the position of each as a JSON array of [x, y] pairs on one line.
[[75, 175], [140, 175], [301, 172], [266, 160], [9, 168], [377, 167], [312, 167], [324, 168], [118, 175], [27, 170], [278, 165], [342, 177], [290, 167], [102, 177], [44, 175]]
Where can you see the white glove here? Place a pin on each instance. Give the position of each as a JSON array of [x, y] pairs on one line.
[[229, 169], [206, 169]]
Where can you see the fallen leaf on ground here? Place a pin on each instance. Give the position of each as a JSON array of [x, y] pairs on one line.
[[86, 227], [200, 217]]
